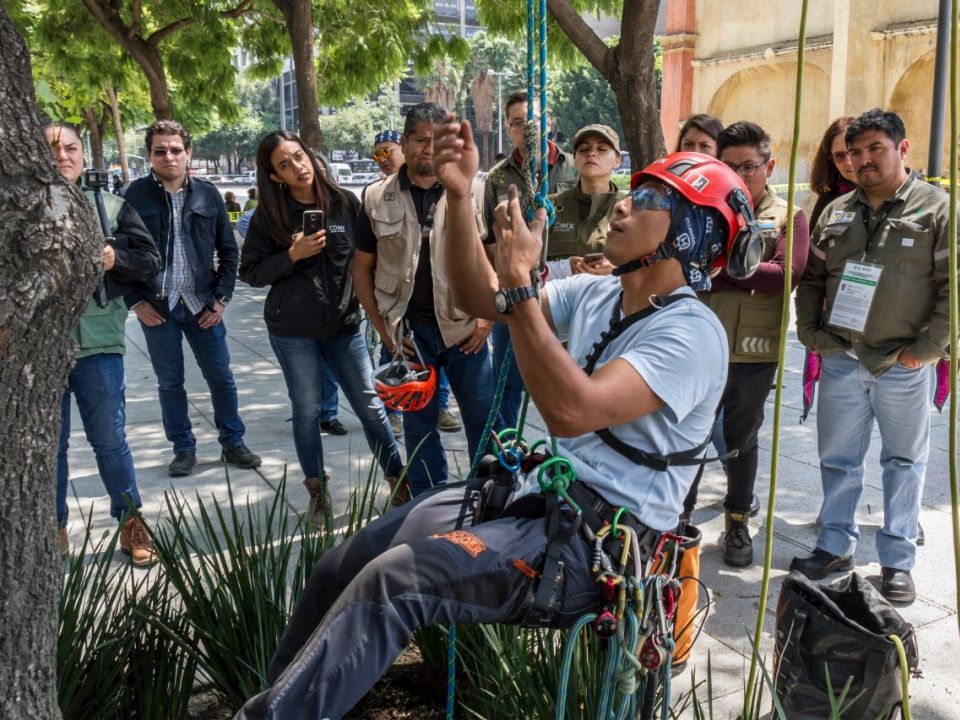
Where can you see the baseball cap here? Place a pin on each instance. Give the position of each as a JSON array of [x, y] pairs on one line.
[[604, 131]]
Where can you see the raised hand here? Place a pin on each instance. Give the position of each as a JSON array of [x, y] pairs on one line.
[[455, 156]]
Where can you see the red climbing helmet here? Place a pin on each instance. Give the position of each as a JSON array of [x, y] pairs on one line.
[[706, 182], [403, 385]]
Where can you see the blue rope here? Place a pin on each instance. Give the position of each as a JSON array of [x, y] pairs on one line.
[[451, 670]]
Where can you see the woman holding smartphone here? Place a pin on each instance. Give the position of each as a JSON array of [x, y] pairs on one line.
[[300, 243]]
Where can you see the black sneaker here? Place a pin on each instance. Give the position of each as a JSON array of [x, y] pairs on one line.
[[921, 537], [182, 464], [754, 506], [818, 564], [737, 545], [897, 586], [241, 456], [334, 427]]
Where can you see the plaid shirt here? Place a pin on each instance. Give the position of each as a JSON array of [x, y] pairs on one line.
[[179, 281]]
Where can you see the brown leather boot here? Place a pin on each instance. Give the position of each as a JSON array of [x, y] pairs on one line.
[[135, 541], [320, 503], [64, 540], [399, 491]]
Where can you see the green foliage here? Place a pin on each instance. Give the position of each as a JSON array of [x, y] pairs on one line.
[[508, 18], [133, 645], [111, 663], [581, 96], [353, 128]]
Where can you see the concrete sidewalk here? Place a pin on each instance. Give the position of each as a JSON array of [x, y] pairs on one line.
[[735, 593]]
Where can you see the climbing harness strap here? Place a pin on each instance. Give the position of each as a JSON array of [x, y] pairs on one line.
[[653, 460]]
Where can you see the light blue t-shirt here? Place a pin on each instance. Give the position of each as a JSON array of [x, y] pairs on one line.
[[681, 353]]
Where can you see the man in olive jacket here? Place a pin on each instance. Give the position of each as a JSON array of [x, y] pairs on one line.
[[874, 301]]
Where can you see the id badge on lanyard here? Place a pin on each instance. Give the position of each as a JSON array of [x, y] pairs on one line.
[[858, 286]]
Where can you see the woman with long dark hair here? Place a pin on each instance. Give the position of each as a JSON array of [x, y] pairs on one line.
[[311, 312], [699, 134], [831, 174]]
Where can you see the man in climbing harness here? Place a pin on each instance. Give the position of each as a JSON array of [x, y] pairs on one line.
[[874, 302], [635, 421]]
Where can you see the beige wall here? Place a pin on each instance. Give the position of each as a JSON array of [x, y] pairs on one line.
[[860, 54]]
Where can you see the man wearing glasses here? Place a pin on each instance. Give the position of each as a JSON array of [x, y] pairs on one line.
[[561, 176], [750, 311], [188, 221]]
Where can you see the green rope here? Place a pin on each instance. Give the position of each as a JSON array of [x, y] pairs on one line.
[[784, 323], [952, 454], [904, 677]]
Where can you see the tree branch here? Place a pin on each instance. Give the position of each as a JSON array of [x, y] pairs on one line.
[[163, 33], [136, 18], [240, 10], [581, 35]]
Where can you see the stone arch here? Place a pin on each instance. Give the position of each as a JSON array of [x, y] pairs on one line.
[[911, 99], [764, 94]]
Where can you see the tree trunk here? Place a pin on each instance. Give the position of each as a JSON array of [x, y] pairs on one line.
[[96, 139], [629, 68], [118, 132], [298, 15], [50, 244]]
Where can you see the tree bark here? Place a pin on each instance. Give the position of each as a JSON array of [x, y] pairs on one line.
[[50, 244], [118, 132], [298, 15], [628, 67], [96, 139]]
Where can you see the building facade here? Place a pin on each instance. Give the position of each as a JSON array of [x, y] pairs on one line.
[[726, 58]]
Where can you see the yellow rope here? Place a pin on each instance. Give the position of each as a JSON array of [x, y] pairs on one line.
[[784, 323], [904, 677]]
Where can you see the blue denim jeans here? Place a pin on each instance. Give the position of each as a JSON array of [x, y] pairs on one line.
[[443, 385], [328, 405], [471, 379], [165, 344], [97, 382], [302, 361], [513, 390], [850, 398]]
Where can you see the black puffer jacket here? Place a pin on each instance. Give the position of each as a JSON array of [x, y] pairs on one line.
[[312, 297]]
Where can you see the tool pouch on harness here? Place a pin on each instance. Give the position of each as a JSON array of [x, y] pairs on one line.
[[841, 629], [496, 492]]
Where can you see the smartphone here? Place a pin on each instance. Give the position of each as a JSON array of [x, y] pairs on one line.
[[591, 258], [312, 221]]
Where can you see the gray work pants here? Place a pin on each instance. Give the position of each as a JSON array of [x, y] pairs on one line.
[[419, 565]]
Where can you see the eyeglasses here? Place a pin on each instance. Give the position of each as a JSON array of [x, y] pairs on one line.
[[381, 154], [518, 124], [647, 197], [163, 152], [747, 169], [840, 157]]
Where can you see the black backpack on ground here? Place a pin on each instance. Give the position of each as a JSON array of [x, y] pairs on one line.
[[843, 629]]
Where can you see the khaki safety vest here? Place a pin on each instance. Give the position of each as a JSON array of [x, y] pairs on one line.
[[393, 218], [752, 319]]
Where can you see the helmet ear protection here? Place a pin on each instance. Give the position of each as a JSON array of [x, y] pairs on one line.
[[746, 246], [706, 182]]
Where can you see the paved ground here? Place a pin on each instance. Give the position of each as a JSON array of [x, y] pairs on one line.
[[265, 409]]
